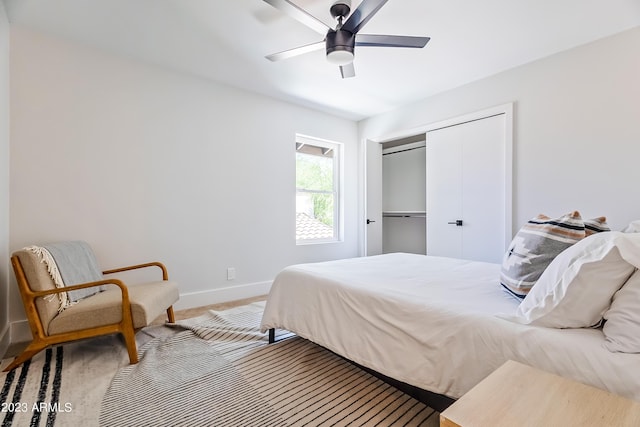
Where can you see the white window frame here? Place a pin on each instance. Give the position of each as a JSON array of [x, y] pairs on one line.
[[337, 148]]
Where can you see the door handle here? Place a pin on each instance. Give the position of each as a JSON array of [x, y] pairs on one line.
[[369, 221], [457, 222]]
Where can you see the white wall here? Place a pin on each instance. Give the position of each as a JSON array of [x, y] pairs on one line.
[[576, 132], [4, 179], [145, 163]]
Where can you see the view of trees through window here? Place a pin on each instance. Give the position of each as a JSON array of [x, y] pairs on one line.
[[314, 182], [315, 192]]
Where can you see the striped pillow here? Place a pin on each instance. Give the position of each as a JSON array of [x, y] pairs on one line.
[[595, 225], [534, 247]]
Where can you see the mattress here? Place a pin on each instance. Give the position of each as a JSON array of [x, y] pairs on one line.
[[434, 323]]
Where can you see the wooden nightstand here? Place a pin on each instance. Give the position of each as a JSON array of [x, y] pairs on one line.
[[519, 395]]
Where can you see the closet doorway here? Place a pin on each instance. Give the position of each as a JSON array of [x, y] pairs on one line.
[[404, 195]]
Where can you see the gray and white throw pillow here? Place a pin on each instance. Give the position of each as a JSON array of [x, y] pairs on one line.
[[533, 248], [596, 225]]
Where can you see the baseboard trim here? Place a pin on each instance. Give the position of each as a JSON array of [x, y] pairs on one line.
[[5, 340], [20, 331], [215, 296]]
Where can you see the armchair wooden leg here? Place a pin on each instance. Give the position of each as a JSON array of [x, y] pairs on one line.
[[130, 341], [31, 350], [170, 315]]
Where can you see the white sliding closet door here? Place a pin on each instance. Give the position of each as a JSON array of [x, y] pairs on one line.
[[444, 192], [466, 185]]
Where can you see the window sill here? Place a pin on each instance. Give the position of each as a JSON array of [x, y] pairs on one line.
[[317, 242]]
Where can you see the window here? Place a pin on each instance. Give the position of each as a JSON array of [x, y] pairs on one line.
[[317, 191]]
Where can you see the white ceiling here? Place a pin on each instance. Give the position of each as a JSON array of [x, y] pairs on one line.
[[226, 41]]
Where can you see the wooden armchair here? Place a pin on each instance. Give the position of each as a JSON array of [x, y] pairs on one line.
[[118, 309]]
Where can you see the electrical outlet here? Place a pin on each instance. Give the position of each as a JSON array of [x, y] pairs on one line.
[[231, 273]]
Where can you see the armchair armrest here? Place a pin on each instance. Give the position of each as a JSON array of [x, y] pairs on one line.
[[116, 282], [165, 275]]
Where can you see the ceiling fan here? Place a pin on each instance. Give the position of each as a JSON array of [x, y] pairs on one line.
[[340, 42]]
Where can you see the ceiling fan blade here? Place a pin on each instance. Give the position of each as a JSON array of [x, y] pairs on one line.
[[347, 71], [362, 14], [296, 51], [391, 41], [285, 6]]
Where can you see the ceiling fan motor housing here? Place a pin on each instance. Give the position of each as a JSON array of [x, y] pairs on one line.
[[340, 40]]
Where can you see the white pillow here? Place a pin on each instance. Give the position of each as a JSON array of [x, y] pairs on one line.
[[576, 288], [633, 227], [622, 327]]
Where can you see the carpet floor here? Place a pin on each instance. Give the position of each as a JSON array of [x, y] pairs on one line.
[[213, 370]]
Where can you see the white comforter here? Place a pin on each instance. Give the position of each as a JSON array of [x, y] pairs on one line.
[[431, 322]]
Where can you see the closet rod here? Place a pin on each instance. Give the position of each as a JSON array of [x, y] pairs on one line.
[[404, 214], [403, 150]]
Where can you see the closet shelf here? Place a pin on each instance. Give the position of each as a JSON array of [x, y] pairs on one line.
[[404, 214]]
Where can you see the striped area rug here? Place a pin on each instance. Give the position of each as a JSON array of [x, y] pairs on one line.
[[64, 386], [221, 372], [45, 404]]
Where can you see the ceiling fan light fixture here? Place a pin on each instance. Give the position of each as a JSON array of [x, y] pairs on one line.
[[340, 45], [340, 57]]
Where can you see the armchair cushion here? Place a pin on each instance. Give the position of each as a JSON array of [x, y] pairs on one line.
[[148, 301]]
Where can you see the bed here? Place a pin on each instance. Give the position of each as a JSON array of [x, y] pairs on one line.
[[439, 324]]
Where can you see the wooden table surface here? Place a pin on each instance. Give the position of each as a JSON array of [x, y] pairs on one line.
[[519, 395]]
